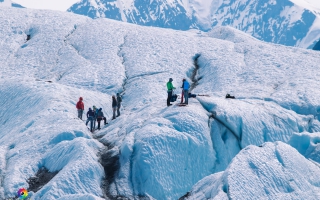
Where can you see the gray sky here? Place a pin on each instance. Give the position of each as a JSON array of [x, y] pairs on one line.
[[62, 5]]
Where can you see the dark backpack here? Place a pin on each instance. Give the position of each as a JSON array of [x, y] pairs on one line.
[[119, 100], [100, 114], [228, 96]]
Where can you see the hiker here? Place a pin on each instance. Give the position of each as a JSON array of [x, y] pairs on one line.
[[186, 87], [100, 117], [114, 106], [90, 117], [182, 92], [80, 107], [119, 100], [170, 88]]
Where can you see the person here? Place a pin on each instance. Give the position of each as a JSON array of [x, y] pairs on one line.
[[182, 91], [186, 87], [119, 100], [100, 117], [80, 108], [170, 89], [114, 106], [90, 117]]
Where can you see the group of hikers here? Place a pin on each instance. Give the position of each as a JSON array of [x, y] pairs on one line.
[[185, 91], [96, 114]]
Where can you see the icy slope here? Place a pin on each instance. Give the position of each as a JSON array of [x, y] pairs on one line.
[[272, 171], [155, 148]]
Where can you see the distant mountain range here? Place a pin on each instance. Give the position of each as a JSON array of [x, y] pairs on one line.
[[287, 22]]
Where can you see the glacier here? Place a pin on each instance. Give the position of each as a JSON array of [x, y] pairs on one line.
[[50, 58]]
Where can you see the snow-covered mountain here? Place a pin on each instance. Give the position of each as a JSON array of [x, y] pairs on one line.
[[49, 59], [288, 22]]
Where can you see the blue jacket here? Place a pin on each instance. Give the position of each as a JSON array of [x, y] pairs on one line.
[[186, 85], [90, 113]]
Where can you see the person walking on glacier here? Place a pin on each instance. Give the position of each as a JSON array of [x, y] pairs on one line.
[[186, 87], [170, 89], [114, 106], [100, 117], [80, 108], [90, 118], [119, 100]]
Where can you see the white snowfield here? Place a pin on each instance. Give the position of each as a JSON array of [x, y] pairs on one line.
[[163, 151]]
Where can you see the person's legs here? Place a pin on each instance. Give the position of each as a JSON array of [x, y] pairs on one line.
[[114, 112], [94, 123], [79, 113], [91, 124], [87, 121], [118, 110], [99, 120], [186, 96], [169, 98], [182, 94], [105, 120]]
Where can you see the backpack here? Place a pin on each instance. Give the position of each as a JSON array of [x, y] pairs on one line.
[[228, 96], [119, 100], [100, 114], [173, 98]]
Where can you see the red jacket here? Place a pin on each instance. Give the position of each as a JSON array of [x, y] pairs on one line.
[[80, 105]]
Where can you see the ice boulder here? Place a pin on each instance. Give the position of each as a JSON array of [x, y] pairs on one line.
[[272, 171]]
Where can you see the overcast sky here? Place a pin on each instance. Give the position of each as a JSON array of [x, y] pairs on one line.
[[47, 4]]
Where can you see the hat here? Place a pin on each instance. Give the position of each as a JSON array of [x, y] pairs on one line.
[[80, 98], [90, 109], [100, 109], [118, 94], [170, 79], [94, 107]]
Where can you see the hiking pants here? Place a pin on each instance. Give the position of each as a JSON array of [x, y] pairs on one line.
[[99, 120], [169, 97], [80, 113], [118, 110], [186, 96], [114, 112], [90, 119]]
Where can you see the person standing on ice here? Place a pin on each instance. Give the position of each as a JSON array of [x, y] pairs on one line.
[[186, 87], [114, 106], [100, 117], [119, 100], [80, 108], [90, 117], [170, 89]]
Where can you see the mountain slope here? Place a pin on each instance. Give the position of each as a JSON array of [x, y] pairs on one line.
[[153, 148], [292, 23]]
